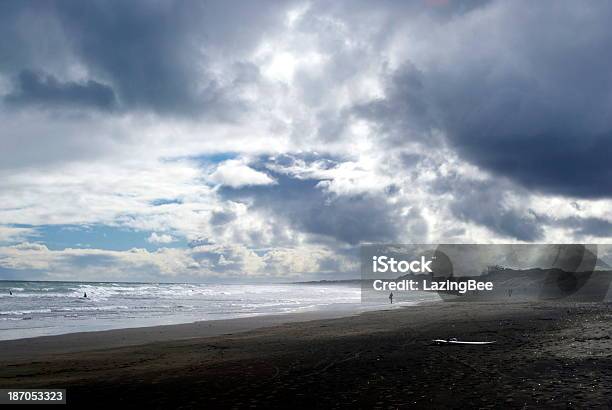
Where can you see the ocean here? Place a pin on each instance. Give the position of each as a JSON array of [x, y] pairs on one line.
[[51, 308]]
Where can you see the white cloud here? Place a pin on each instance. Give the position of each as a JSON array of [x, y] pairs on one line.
[[206, 261], [11, 234], [236, 174], [161, 238]]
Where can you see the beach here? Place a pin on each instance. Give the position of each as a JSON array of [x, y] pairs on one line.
[[547, 354]]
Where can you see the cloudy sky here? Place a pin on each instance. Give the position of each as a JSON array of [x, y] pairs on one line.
[[195, 141]]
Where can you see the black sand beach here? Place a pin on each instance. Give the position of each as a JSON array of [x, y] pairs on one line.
[[547, 355]]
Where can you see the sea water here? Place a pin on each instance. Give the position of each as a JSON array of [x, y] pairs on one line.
[[50, 308]]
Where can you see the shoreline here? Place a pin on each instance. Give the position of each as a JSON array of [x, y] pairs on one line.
[[547, 354], [115, 308], [29, 347]]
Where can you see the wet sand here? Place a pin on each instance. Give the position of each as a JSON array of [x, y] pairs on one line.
[[547, 355]]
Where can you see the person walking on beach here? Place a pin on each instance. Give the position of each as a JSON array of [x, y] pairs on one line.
[[391, 297]]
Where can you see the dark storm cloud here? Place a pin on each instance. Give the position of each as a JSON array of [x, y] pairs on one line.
[[484, 210], [306, 206], [39, 89], [154, 55], [484, 203], [587, 226], [522, 89]]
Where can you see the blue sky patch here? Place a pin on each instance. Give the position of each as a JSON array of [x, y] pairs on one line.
[[59, 237]]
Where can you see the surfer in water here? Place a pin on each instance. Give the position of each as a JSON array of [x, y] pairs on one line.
[[85, 295], [391, 297], [10, 292]]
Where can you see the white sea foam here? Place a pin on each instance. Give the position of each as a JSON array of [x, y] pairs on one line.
[[45, 308]]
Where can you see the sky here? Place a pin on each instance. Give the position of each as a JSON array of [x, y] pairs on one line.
[[265, 141]]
